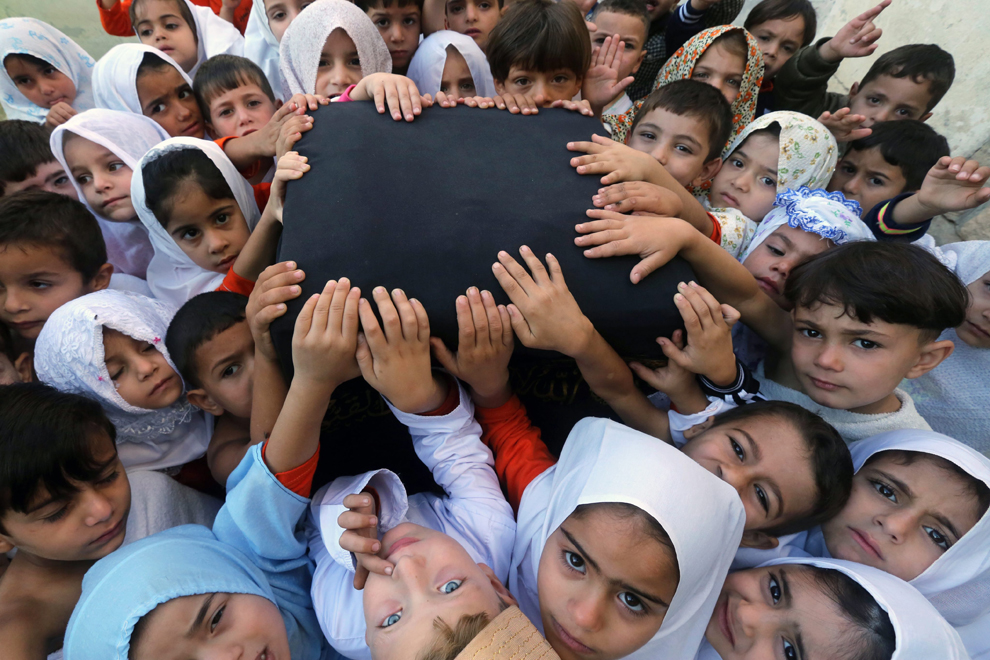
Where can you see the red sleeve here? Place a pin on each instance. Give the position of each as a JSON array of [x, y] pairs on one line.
[[248, 172], [236, 284], [716, 230], [117, 19], [450, 403], [520, 453], [299, 479], [240, 14], [262, 191]]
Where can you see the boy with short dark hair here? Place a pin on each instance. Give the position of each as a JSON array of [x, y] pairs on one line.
[[475, 18], [630, 20], [28, 163], [400, 22]]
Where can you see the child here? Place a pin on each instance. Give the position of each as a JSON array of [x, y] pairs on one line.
[[28, 163], [188, 34], [473, 18], [15, 365], [727, 58], [139, 79], [451, 63], [268, 21], [116, 19], [630, 20], [51, 251], [46, 76], [905, 83], [459, 544], [399, 24], [781, 27], [100, 149]]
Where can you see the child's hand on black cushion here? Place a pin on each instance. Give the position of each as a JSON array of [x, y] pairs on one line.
[[397, 92]]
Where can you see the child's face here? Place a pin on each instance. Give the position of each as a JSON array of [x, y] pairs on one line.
[[240, 111], [975, 330], [339, 67], [104, 178], [223, 626], [169, 100], [37, 280], [887, 98], [433, 577], [720, 69], [901, 518], [43, 85], [766, 460], [225, 368], [559, 85], [748, 178], [633, 34], [160, 26], [680, 143], [865, 176], [456, 79], [49, 176], [843, 363], [86, 526], [212, 232], [782, 251], [139, 371], [597, 599], [399, 27], [772, 612], [475, 18], [282, 12], [779, 40]]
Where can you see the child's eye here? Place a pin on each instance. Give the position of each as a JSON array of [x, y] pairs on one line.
[[683, 148], [701, 75], [117, 374], [455, 9], [485, 5], [774, 251], [277, 16], [789, 49], [113, 167], [391, 620], [632, 601], [112, 477], [876, 181], [50, 71], [382, 23], [560, 80], [37, 284], [873, 100], [61, 181], [224, 112], [254, 104], [158, 108], [600, 40], [733, 82], [809, 333], [865, 344], [147, 348], [171, 26], [445, 89], [82, 180], [737, 163], [222, 219], [189, 234], [410, 20], [230, 371], [215, 621], [789, 651], [937, 537], [774, 587], [451, 587], [763, 37], [144, 33], [847, 168], [522, 82], [767, 181], [885, 490], [58, 515], [740, 454], [761, 495], [574, 561], [647, 135], [356, 62], [185, 93], [322, 63]]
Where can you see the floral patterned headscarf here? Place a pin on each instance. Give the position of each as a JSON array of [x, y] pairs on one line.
[[681, 65]]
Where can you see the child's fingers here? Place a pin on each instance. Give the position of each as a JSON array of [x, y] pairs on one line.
[[714, 308], [407, 102], [422, 320], [520, 325], [466, 330], [365, 360], [359, 521], [647, 266], [556, 274], [506, 321], [349, 325], [372, 334], [676, 355], [508, 283], [511, 104], [322, 311], [376, 565], [358, 500], [444, 355], [518, 273], [540, 275], [336, 311], [602, 232], [479, 316], [730, 314], [407, 316], [692, 323], [586, 147], [379, 95], [305, 319], [647, 375], [492, 318], [391, 324]]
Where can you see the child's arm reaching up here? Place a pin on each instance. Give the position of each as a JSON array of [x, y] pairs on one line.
[[953, 184]]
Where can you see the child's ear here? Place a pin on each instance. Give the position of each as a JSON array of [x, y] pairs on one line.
[[708, 171], [754, 538], [209, 126], [101, 280], [446, 25], [853, 91], [931, 356], [24, 366], [698, 429], [500, 589], [639, 61], [6, 546], [499, 87], [204, 402], [925, 116]]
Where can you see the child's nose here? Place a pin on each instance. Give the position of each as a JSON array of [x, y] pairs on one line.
[[395, 33], [661, 153], [99, 509], [145, 368], [470, 13], [586, 613], [13, 303], [828, 358], [216, 242], [897, 524]]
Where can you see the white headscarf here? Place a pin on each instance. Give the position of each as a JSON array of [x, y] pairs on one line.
[[69, 356], [115, 76], [953, 396], [129, 137], [172, 275], [604, 461], [426, 68], [29, 36], [215, 36], [830, 215], [261, 46], [303, 42]]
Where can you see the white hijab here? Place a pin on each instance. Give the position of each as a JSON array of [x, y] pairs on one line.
[[426, 68], [604, 461], [172, 275], [954, 396], [115, 77], [129, 137], [29, 36], [69, 356], [215, 36], [303, 42], [261, 46]]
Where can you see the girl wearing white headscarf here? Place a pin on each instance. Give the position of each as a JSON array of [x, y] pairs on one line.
[[128, 137], [605, 463], [953, 396], [172, 274], [261, 46], [29, 36], [432, 65], [211, 35], [69, 355]]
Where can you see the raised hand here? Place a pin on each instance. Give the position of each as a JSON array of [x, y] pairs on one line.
[[276, 285], [708, 348], [954, 184], [324, 342], [857, 38], [843, 126], [601, 82]]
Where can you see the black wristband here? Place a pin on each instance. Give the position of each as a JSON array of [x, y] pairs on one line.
[[744, 389]]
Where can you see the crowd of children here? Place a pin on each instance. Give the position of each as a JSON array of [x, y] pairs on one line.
[[807, 476]]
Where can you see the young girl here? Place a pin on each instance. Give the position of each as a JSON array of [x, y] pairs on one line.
[[452, 63], [140, 79], [100, 149], [726, 57], [265, 27], [187, 33], [825, 608], [782, 28], [110, 346], [46, 76], [952, 397]]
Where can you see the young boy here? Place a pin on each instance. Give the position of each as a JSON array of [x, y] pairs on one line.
[[400, 24], [906, 83], [630, 20], [51, 251], [460, 544], [28, 163], [475, 18]]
